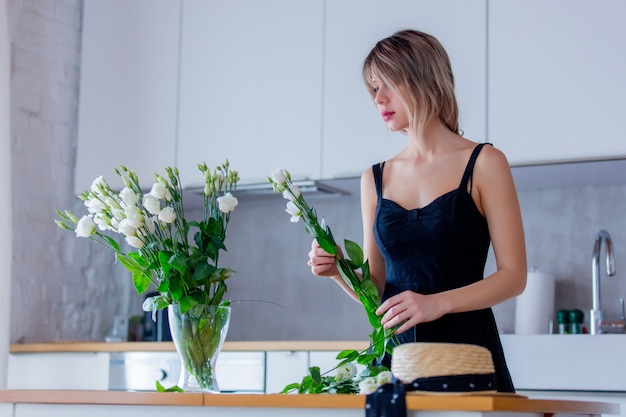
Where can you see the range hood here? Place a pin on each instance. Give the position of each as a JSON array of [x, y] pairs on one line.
[[311, 189]]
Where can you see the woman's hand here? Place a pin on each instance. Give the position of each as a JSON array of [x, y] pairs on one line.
[[408, 309], [321, 262]]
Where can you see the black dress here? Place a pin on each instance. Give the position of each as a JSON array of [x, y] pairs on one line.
[[440, 247]]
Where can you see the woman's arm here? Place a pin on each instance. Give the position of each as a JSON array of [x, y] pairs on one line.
[[495, 195]]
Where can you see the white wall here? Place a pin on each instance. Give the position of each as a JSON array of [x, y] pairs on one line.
[[5, 190]]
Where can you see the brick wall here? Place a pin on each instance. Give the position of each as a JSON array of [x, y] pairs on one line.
[[63, 289]]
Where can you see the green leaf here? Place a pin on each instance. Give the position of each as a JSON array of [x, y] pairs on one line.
[[290, 387], [348, 354], [314, 371], [354, 251], [202, 271], [112, 243], [221, 274], [140, 259], [141, 281], [186, 303], [179, 261], [176, 289], [164, 261], [129, 263], [160, 388]]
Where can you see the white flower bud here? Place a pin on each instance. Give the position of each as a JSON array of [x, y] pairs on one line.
[[292, 193], [279, 177]]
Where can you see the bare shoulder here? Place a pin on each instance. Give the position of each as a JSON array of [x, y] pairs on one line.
[[367, 177], [491, 161]]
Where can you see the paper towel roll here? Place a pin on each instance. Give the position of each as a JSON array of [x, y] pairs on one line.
[[534, 308]]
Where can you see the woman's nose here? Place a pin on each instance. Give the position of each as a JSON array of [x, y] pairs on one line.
[[380, 98]]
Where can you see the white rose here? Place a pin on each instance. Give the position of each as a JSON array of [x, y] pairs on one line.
[[345, 371], [227, 203], [158, 190], [128, 196], [368, 386], [151, 204], [85, 227], [167, 215], [134, 241], [102, 221], [151, 224], [134, 216], [279, 177], [384, 377], [168, 195], [292, 193], [94, 205], [97, 184], [126, 228], [295, 212]]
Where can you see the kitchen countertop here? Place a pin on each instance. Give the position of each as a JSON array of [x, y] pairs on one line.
[[79, 346], [477, 403]]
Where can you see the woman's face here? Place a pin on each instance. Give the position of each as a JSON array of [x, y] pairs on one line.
[[390, 106]]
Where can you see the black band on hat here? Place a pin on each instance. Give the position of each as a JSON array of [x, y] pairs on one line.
[[389, 400]]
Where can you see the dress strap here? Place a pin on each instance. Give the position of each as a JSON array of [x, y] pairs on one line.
[[378, 178], [469, 169]]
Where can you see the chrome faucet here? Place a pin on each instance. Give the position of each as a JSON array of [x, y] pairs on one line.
[[596, 316]]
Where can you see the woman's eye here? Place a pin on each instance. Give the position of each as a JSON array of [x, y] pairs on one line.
[[375, 89]]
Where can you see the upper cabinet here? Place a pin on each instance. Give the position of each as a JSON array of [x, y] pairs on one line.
[[128, 89], [278, 84], [557, 79], [251, 87], [354, 135]]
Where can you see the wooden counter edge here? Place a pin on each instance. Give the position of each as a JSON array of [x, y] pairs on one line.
[[484, 403], [169, 346]]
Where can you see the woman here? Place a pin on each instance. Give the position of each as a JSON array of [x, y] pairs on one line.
[[431, 212]]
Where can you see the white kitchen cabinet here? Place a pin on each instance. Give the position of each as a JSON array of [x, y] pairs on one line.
[[58, 371], [283, 368], [556, 79], [128, 89], [251, 87], [354, 135]]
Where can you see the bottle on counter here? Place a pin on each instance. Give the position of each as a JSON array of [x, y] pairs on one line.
[[576, 318], [563, 321]]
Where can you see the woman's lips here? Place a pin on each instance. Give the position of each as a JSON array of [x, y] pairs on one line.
[[387, 115]]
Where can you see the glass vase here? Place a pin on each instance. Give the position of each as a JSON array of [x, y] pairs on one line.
[[198, 336]]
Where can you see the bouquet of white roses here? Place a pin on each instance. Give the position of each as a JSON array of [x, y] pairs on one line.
[[183, 271], [382, 340]]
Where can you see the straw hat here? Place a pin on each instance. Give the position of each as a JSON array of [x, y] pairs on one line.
[[417, 361]]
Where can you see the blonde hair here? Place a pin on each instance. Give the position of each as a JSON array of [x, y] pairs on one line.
[[417, 67]]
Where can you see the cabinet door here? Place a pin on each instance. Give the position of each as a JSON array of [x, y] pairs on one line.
[[556, 79], [283, 368], [354, 135], [128, 89], [58, 371], [250, 87]]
